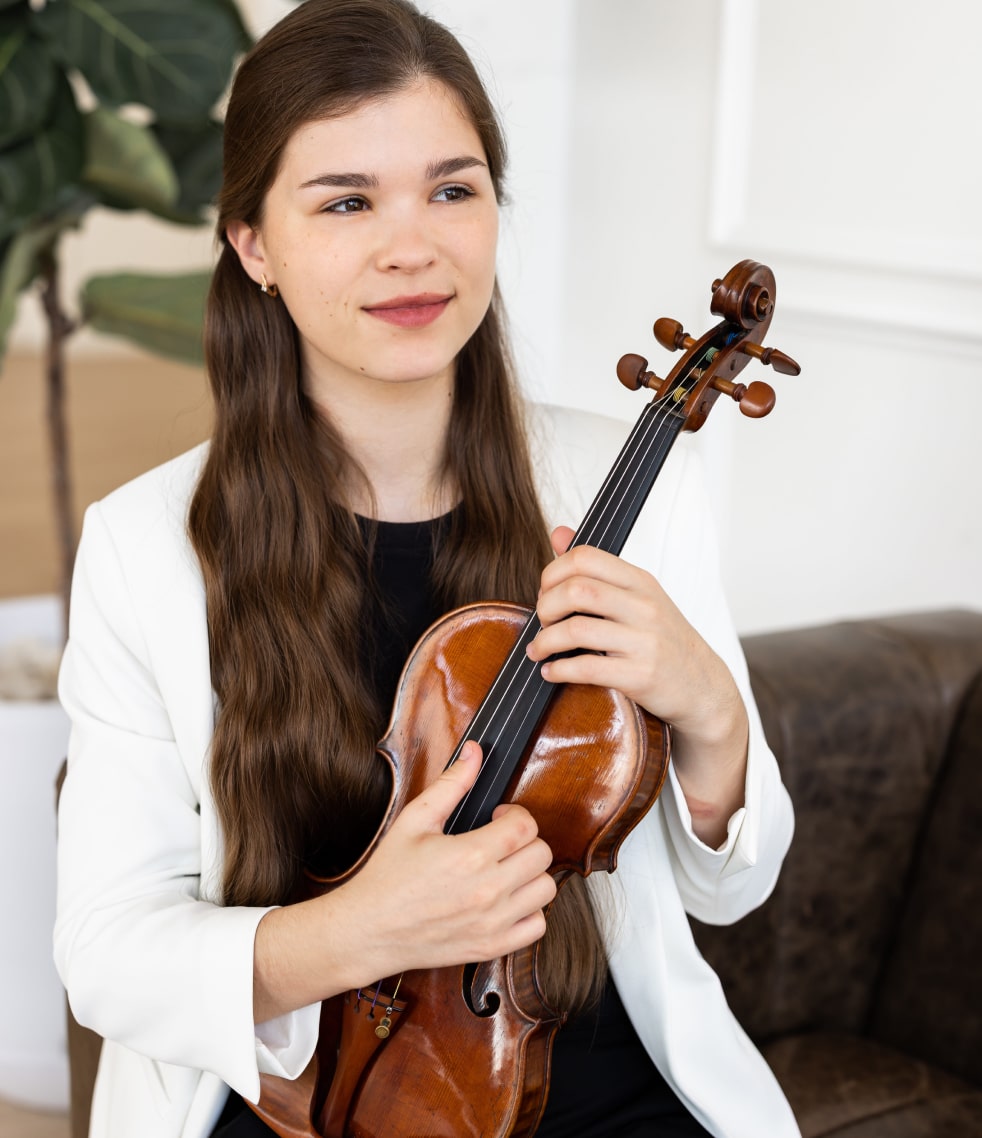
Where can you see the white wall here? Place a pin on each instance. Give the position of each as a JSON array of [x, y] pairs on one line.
[[839, 143], [654, 144]]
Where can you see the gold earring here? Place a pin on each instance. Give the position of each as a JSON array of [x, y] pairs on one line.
[[268, 289]]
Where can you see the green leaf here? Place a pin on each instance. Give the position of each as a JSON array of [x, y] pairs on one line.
[[196, 154], [162, 313], [127, 162], [174, 56], [19, 265], [33, 174], [27, 79]]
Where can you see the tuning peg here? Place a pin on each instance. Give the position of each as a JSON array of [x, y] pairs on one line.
[[771, 356], [670, 335], [633, 372], [756, 400]]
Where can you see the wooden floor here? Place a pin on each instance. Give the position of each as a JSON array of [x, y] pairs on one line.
[[18, 1123], [125, 415]]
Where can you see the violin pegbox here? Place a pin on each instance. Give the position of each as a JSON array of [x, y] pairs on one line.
[[745, 300]]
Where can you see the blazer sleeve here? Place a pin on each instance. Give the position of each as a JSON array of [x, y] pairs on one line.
[[145, 961], [677, 542]]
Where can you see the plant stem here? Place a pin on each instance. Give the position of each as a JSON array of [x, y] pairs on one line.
[[59, 329]]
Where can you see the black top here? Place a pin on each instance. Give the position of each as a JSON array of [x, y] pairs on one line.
[[402, 602], [603, 1083]]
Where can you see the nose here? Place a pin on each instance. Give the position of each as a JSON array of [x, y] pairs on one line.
[[408, 243]]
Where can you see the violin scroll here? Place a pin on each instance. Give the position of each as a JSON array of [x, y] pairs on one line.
[[745, 295], [745, 300]]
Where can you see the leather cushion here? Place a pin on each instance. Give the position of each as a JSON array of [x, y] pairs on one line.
[[847, 1086]]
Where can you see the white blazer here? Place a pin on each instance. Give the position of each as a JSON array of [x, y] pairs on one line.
[[151, 960]]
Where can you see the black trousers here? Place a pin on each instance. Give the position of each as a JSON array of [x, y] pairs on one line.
[[238, 1121], [246, 1124]]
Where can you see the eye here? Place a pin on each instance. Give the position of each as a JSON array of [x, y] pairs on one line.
[[352, 204], [454, 193]]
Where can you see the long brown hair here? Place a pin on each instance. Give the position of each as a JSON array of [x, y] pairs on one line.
[[283, 558]]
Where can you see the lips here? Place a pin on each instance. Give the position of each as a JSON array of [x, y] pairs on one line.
[[410, 311]]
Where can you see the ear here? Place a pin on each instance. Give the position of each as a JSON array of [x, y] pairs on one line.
[[247, 242]]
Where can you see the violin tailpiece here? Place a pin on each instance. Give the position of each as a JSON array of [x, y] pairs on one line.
[[368, 1018]]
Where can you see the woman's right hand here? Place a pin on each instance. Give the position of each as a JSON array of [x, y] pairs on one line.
[[423, 899]]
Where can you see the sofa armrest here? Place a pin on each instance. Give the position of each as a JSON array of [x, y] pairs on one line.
[[929, 999], [860, 715]]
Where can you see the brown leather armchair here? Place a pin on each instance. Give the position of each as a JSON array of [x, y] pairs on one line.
[[860, 977]]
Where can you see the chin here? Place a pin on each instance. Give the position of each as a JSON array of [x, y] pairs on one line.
[[416, 370]]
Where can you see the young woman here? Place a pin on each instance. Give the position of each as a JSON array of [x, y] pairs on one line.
[[240, 617]]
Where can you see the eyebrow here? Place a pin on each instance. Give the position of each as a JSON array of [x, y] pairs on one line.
[[453, 166], [441, 169]]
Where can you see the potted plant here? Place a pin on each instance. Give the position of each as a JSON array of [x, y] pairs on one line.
[[111, 104]]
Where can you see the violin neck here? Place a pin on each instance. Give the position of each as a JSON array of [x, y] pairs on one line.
[[509, 715], [619, 501]]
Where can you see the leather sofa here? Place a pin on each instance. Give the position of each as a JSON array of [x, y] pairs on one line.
[[861, 977]]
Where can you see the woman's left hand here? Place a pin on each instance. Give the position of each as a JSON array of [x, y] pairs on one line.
[[639, 643]]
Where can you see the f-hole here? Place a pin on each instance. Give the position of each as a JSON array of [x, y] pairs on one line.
[[492, 1000]]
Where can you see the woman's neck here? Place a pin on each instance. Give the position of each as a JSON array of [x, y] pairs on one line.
[[396, 432]]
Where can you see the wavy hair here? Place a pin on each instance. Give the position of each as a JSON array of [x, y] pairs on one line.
[[283, 558]]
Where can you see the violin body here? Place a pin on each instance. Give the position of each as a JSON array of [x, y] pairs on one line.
[[485, 1071]]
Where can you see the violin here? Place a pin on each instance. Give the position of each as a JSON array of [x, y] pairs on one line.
[[465, 1051]]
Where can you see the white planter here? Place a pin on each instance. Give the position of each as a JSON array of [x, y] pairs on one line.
[[33, 739]]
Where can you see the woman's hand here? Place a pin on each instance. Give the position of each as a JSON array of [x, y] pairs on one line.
[[638, 643], [423, 899], [462, 898]]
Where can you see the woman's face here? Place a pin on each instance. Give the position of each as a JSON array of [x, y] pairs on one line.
[[380, 232]]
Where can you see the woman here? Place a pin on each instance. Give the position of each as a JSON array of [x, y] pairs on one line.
[[240, 617]]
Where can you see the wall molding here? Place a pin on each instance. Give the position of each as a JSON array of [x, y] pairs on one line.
[[894, 277]]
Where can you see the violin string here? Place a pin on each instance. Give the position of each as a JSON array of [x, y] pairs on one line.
[[601, 528], [630, 468], [511, 671]]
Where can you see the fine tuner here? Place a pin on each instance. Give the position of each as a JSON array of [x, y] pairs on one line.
[[745, 298]]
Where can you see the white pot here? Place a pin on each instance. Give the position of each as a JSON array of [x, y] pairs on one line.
[[33, 740]]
